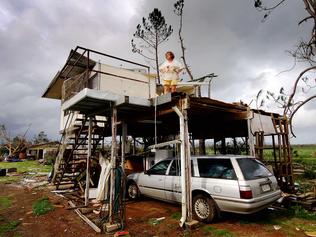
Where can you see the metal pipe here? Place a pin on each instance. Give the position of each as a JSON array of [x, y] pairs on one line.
[[182, 162], [123, 77], [114, 57], [88, 163], [72, 66], [250, 135], [124, 141]]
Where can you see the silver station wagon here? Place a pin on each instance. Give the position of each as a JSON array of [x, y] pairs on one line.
[[227, 183]]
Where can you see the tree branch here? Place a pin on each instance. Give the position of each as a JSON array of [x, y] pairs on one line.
[[296, 109], [295, 88], [305, 19]]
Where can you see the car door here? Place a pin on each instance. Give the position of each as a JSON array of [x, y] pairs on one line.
[[173, 183], [152, 182]]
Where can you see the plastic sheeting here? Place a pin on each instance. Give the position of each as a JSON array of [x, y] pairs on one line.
[[103, 185]]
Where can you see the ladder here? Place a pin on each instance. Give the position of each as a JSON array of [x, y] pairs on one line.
[[282, 154]]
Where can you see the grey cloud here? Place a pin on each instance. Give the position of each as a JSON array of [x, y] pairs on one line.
[[224, 37]]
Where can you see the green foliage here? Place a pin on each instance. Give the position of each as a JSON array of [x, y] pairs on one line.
[[295, 153], [303, 154], [176, 215], [300, 212], [8, 227], [217, 232], [258, 3], [5, 202], [310, 173], [50, 157], [178, 7], [40, 138], [42, 206]]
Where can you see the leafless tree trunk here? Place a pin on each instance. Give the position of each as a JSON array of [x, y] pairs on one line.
[[157, 59]]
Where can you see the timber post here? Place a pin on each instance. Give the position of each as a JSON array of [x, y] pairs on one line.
[[88, 163], [113, 163]]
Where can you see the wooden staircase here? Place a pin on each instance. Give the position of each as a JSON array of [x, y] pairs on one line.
[[71, 162]]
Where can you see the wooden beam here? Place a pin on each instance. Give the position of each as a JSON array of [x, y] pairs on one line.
[[123, 143], [88, 163], [83, 217], [159, 145], [113, 163]]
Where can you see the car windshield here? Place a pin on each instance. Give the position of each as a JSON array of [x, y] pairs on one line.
[[253, 168]]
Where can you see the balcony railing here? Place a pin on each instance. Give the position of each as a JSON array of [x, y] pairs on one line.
[[74, 85]]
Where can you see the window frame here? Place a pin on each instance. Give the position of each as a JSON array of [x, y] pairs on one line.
[[149, 172], [179, 172], [216, 159], [178, 160], [259, 163]]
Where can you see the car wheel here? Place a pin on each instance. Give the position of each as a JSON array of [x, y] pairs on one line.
[[132, 191], [204, 208]]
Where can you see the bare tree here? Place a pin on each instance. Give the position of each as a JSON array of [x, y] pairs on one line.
[[178, 10], [12, 145], [304, 52], [150, 34]]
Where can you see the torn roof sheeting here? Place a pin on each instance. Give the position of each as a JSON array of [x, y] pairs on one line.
[[75, 64]]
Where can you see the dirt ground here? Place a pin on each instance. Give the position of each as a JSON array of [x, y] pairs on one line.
[[141, 216], [140, 213]]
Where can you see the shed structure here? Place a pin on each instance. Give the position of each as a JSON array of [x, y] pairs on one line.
[[103, 103]]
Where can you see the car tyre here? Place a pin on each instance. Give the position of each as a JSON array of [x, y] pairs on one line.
[[204, 208], [132, 191]]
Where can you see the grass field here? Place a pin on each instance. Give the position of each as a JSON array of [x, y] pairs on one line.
[[302, 154], [22, 168], [26, 166]]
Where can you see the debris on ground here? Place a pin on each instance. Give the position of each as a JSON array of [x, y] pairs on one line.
[[122, 233], [11, 170], [156, 221], [277, 227], [3, 172], [310, 234]]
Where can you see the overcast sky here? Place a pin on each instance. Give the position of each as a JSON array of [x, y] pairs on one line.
[[222, 36]]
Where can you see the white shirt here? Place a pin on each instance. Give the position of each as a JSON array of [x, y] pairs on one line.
[[170, 70]]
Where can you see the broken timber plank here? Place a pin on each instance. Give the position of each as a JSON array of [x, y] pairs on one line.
[[159, 145], [86, 219]]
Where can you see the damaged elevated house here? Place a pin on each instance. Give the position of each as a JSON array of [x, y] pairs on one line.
[[115, 121]]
